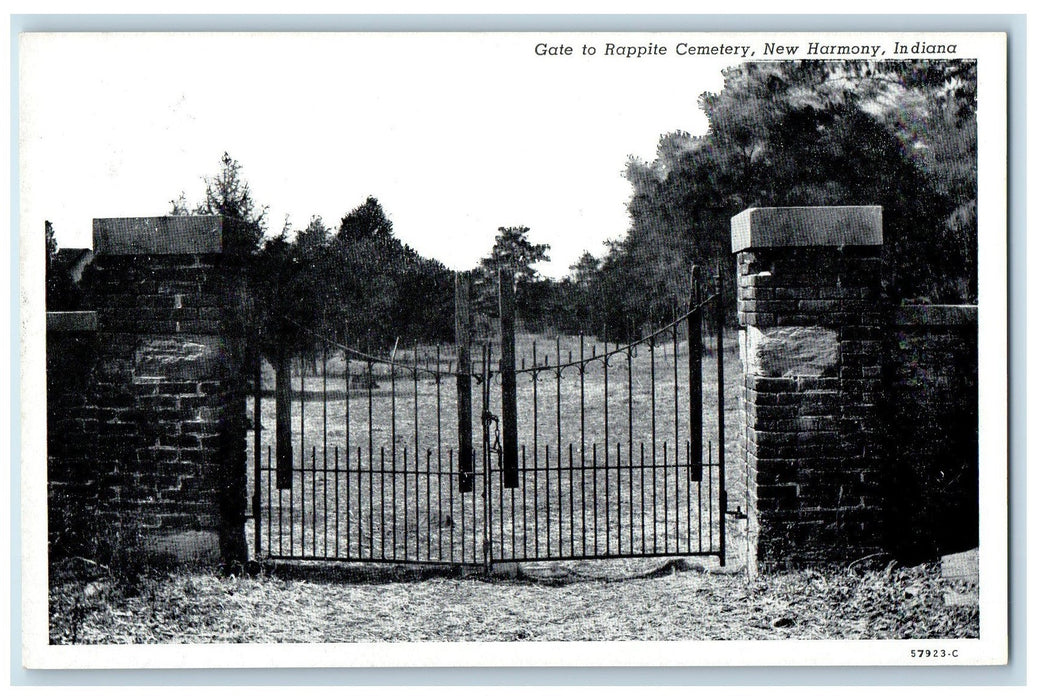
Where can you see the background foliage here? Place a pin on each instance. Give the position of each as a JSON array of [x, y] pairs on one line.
[[900, 134]]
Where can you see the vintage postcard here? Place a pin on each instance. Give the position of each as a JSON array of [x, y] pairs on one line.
[[498, 349]]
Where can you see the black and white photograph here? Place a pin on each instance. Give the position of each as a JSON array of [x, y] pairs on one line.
[[431, 349]]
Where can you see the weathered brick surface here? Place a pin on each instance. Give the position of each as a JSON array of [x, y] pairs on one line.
[[147, 430], [808, 436], [933, 429]]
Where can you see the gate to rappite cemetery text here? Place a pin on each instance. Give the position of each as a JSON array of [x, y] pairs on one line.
[[503, 449]]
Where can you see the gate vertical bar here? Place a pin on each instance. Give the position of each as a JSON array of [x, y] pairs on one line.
[[313, 501], [270, 509], [583, 460], [370, 464], [676, 438], [487, 468], [719, 306], [302, 456], [536, 456], [605, 371], [417, 469], [392, 456], [630, 440], [324, 400], [509, 415], [558, 441], [257, 447], [337, 505], [463, 337], [439, 445], [349, 386]]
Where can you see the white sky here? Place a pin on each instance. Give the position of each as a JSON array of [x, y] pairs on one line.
[[455, 134]]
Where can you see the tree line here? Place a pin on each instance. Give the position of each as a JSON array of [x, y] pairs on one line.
[[900, 134]]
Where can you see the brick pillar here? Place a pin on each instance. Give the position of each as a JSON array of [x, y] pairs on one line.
[[169, 388], [811, 347]]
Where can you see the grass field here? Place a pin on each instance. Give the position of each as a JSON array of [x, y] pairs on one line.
[[573, 500]]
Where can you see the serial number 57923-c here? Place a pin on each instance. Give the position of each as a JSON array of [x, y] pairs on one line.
[[934, 653]]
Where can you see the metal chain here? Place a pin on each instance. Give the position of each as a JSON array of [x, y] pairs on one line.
[[488, 417]]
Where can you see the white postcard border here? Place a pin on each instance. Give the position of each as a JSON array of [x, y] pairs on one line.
[[990, 648]]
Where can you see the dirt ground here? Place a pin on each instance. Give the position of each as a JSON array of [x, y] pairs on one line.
[[671, 601]]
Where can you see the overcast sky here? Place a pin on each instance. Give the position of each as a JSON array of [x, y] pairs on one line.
[[455, 134]]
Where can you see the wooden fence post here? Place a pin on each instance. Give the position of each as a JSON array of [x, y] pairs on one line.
[[283, 409], [257, 444], [695, 377], [509, 414], [463, 338]]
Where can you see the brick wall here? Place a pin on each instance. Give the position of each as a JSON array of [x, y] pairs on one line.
[[932, 429], [72, 479], [147, 433]]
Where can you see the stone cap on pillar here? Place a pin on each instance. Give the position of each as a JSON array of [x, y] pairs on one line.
[[158, 235], [782, 227]]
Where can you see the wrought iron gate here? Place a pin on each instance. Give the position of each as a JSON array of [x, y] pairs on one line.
[[583, 451]]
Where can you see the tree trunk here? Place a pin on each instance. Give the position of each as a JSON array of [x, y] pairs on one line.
[[283, 405]]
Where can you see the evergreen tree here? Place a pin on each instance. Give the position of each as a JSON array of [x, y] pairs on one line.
[[513, 250]]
